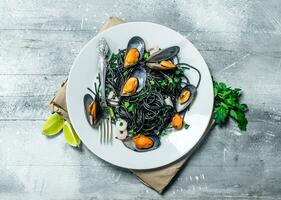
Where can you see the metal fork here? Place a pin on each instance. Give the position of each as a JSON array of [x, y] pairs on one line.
[[105, 131], [105, 128]]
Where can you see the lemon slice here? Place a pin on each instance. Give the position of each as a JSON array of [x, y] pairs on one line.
[[70, 135], [53, 125]]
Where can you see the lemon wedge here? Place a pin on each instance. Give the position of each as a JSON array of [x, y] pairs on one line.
[[70, 135], [53, 125]]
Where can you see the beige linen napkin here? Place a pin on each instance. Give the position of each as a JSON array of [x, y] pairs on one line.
[[158, 178]]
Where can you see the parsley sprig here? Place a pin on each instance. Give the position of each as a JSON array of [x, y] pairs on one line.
[[131, 107], [227, 105]]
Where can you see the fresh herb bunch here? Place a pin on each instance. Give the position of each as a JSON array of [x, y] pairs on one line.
[[227, 105]]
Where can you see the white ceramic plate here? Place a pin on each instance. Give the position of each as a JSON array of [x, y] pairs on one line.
[[173, 146]]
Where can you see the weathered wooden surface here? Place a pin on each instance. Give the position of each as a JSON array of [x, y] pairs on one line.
[[241, 43]]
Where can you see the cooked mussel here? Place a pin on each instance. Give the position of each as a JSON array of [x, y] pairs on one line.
[[164, 54], [134, 83], [93, 109], [185, 97], [177, 121], [163, 65], [162, 60], [142, 143], [134, 52]]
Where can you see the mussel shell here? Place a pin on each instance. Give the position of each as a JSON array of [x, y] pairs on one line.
[[164, 54], [180, 107], [157, 66], [130, 144], [137, 43], [140, 74], [88, 99]]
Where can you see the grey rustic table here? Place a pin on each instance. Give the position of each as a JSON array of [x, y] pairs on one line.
[[241, 43]]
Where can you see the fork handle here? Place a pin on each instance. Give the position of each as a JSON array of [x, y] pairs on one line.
[[103, 74], [103, 51]]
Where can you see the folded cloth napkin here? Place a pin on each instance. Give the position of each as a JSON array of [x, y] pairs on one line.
[[157, 179]]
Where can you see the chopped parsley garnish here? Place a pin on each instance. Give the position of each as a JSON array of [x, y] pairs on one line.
[[186, 126]]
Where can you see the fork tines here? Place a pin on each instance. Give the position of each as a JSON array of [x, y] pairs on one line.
[[105, 131]]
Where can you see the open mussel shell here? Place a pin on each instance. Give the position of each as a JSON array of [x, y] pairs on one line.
[[163, 65], [180, 106], [140, 75], [137, 43], [164, 54], [88, 99], [129, 143]]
